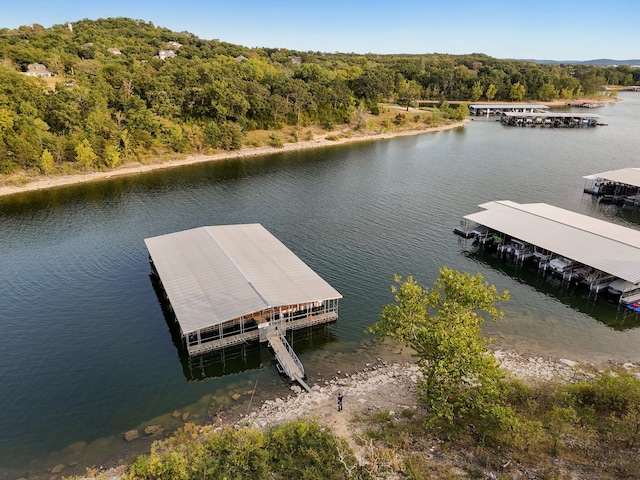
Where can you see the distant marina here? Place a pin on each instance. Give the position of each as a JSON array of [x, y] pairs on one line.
[[550, 119], [489, 109], [536, 115]]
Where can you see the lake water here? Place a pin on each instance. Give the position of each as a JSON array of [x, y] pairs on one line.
[[87, 354]]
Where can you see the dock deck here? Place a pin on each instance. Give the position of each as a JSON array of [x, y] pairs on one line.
[[489, 109], [231, 284]]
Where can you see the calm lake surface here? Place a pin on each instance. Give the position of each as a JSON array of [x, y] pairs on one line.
[[87, 353]]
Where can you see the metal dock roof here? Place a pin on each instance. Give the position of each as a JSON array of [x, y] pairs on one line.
[[509, 106], [551, 114], [611, 248], [627, 176], [214, 274]]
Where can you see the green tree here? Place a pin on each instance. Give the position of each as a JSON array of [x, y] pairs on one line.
[[461, 378], [407, 91], [517, 92], [491, 92], [476, 91], [85, 156], [111, 156], [548, 92], [46, 162], [231, 136], [461, 112]]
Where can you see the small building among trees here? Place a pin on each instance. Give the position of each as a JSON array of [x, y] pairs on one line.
[[38, 70]]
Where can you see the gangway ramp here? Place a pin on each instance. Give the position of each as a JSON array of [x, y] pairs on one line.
[[287, 358]]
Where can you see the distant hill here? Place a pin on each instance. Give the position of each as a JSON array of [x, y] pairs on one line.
[[92, 94], [604, 62]]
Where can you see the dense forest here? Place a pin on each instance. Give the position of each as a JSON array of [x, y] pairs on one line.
[[93, 94]]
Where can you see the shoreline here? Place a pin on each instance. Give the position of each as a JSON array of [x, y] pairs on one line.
[[136, 168], [386, 384], [341, 137]]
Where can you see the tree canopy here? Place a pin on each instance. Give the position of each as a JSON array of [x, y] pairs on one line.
[[443, 326], [106, 83]]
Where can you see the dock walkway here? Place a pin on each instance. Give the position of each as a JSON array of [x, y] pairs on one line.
[[287, 358]]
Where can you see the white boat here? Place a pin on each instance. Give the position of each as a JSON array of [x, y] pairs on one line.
[[522, 251], [598, 283], [541, 255], [620, 287], [599, 286], [560, 265]]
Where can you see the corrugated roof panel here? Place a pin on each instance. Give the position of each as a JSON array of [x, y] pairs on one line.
[[508, 105], [628, 176], [278, 275], [217, 273], [203, 287], [608, 247]]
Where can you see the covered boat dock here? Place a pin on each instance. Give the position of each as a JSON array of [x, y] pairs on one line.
[[487, 109], [230, 284], [550, 119], [621, 186], [594, 249]]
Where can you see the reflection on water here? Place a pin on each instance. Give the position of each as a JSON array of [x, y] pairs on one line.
[[601, 307], [251, 355]]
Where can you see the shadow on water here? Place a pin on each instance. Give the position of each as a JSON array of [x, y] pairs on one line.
[[600, 307], [622, 213], [248, 356]]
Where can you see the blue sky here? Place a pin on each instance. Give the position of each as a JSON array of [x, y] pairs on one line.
[[541, 29]]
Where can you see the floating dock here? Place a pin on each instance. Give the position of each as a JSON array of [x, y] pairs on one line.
[[488, 109], [550, 119], [574, 245], [621, 187], [230, 284]]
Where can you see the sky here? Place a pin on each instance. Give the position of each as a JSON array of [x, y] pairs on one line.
[[540, 30]]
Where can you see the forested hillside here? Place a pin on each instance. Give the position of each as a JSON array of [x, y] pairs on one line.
[[93, 94]]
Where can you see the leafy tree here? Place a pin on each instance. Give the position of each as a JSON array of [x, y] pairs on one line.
[[461, 378], [517, 92], [111, 156], [548, 92], [373, 84], [491, 92], [231, 136], [85, 156], [476, 91], [461, 112], [46, 163]]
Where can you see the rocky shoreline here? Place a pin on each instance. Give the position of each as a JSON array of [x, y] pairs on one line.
[[381, 386]]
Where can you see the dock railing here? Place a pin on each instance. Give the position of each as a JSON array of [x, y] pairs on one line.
[[295, 358]]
